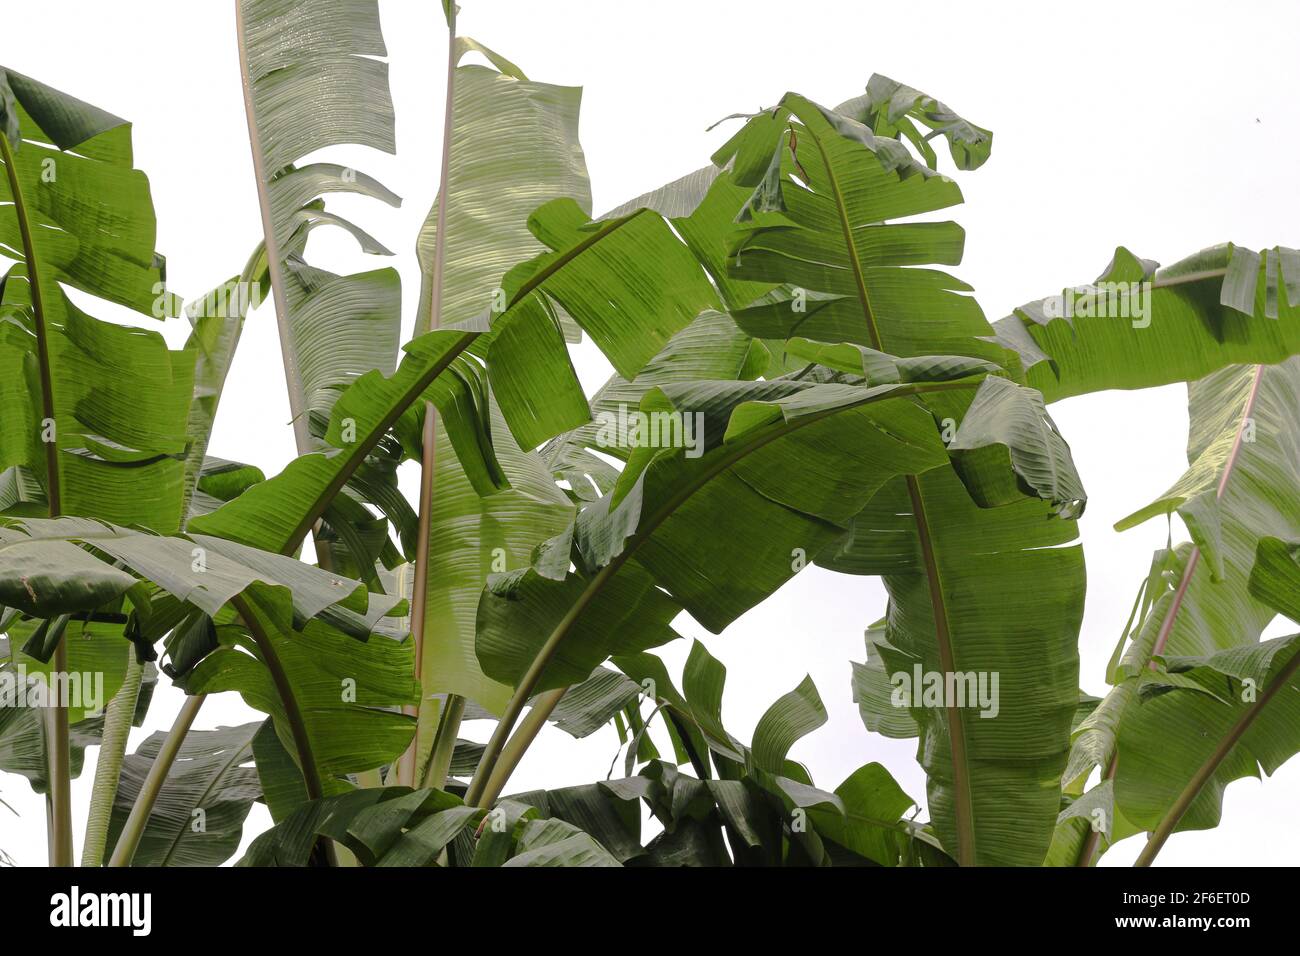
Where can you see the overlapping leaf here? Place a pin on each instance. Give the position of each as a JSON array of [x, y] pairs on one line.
[[346, 691]]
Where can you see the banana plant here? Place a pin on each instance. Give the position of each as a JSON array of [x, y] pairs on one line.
[[797, 381]]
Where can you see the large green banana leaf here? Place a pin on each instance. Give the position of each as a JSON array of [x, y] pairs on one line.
[[514, 148], [312, 80], [1139, 325], [471, 537], [817, 221], [95, 411], [46, 569], [960, 603]]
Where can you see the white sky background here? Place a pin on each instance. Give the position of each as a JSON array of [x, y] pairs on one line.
[[1165, 127]]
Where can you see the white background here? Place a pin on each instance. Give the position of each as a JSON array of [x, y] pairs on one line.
[[1165, 127]]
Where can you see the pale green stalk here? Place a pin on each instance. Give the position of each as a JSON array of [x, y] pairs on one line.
[[117, 728]]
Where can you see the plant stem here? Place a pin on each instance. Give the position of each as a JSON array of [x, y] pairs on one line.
[[60, 768], [133, 829], [324, 853], [428, 455], [1089, 849], [444, 742], [518, 745], [275, 270], [59, 800], [117, 728], [420, 584]]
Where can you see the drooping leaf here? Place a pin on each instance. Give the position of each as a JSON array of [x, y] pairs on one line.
[[818, 224], [1008, 447], [891, 108], [1225, 716], [960, 605]]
